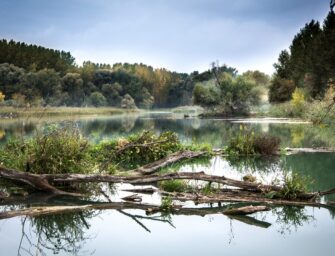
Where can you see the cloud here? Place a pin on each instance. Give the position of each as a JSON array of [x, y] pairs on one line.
[[182, 35]]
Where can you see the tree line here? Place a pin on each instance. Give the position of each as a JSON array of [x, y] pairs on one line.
[[32, 75]]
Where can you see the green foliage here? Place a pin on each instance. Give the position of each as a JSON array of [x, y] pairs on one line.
[[33, 57], [247, 143], [166, 205], [137, 150], [173, 186], [205, 96], [128, 102], [294, 184], [208, 189], [281, 90], [231, 95], [309, 64], [242, 143], [57, 151], [97, 99]]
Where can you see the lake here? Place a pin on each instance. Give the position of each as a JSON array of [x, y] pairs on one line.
[[280, 231]]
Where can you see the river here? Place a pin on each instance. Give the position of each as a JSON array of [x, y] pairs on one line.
[[281, 231]]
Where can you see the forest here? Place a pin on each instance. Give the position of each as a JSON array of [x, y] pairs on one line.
[[31, 75], [35, 76]]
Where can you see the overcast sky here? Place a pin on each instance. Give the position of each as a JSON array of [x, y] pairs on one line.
[[181, 35]]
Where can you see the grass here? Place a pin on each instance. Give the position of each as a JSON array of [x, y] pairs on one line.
[[59, 111], [173, 185]]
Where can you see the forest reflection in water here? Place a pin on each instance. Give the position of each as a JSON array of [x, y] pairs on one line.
[[214, 131]]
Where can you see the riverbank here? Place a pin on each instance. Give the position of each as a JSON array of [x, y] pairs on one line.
[[11, 112]]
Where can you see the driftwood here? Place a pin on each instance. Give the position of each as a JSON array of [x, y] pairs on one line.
[[309, 150], [42, 182], [38, 182], [142, 190], [170, 159], [148, 179], [132, 198], [246, 210], [150, 209], [244, 198]]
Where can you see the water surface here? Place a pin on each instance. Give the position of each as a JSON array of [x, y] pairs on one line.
[[281, 231]]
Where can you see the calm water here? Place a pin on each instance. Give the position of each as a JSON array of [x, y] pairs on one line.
[[281, 231]]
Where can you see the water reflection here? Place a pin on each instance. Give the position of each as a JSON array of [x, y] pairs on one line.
[[213, 131], [79, 233]]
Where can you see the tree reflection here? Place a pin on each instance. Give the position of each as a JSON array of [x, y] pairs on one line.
[[291, 218], [255, 164], [60, 233]]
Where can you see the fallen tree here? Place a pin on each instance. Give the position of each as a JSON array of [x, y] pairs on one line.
[[166, 161], [246, 192]]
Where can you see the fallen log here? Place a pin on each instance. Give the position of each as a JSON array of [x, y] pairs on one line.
[[170, 159], [60, 209], [42, 182], [243, 198], [309, 150], [141, 190], [132, 198], [39, 182], [246, 210], [148, 179]]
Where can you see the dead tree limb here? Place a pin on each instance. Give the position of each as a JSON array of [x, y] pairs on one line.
[[170, 159], [246, 210], [255, 199], [38, 182]]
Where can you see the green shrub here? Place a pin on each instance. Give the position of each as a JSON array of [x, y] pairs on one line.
[[242, 143], [173, 185], [57, 151], [294, 185], [247, 143], [137, 150], [166, 205]]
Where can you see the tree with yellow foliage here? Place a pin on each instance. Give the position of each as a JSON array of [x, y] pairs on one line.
[[2, 97]]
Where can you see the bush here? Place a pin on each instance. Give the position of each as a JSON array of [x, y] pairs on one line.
[[293, 186], [266, 144], [246, 143], [137, 150], [57, 151], [242, 143]]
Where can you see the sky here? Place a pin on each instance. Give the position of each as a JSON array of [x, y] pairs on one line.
[[180, 35]]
